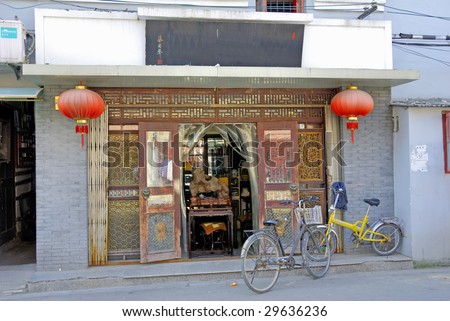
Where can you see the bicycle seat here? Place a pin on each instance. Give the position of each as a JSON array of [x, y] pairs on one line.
[[372, 201], [271, 222]]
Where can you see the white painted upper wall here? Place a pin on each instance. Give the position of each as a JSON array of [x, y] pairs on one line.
[[118, 38], [89, 38], [347, 44], [422, 187]]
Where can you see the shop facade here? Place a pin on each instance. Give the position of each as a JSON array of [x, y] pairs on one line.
[[220, 136], [263, 132]]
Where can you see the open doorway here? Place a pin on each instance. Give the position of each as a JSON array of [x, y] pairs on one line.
[[17, 183], [219, 186]]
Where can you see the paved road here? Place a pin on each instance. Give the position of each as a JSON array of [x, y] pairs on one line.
[[432, 284]]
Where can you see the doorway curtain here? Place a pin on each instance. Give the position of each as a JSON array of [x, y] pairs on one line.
[[241, 137]]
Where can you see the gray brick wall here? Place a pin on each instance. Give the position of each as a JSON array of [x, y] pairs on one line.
[[369, 170], [61, 190]]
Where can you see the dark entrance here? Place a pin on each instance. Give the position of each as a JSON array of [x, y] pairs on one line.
[[17, 175]]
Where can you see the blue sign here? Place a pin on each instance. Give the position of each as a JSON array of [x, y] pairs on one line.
[[8, 32]]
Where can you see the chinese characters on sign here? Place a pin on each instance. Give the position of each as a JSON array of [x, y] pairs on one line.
[[159, 51]]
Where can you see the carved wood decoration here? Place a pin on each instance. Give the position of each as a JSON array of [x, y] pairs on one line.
[[311, 150], [215, 105], [128, 107]]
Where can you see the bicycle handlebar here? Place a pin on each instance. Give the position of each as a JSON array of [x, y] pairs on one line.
[[338, 191], [285, 202], [307, 198]]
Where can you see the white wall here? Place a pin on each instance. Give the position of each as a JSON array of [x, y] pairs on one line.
[[89, 38], [402, 176], [118, 38], [428, 196], [347, 44]]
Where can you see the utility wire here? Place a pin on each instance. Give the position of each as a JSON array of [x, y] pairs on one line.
[[145, 3], [421, 44], [422, 37], [418, 54], [413, 13]]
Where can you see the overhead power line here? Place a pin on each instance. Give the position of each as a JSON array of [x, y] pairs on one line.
[[422, 37], [422, 55]]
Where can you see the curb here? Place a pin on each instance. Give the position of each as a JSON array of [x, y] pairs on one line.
[[200, 272]]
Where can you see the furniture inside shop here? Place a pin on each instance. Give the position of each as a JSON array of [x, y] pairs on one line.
[[218, 198]]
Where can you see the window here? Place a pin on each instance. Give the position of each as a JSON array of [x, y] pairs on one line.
[[280, 5], [446, 139]]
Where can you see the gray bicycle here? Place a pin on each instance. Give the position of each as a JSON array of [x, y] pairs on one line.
[[263, 254]]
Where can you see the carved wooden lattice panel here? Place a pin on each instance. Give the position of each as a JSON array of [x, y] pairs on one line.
[[123, 159], [320, 97], [123, 229], [294, 112], [193, 99], [239, 99], [123, 193], [310, 147], [193, 112], [145, 99], [161, 233], [239, 112], [284, 99], [285, 228], [216, 104]]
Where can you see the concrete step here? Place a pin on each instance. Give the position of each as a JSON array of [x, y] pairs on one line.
[[192, 271]]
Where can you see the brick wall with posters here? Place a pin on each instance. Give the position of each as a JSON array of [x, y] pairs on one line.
[[61, 190], [369, 170]]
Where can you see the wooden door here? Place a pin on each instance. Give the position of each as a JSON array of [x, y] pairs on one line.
[[159, 192], [277, 173]]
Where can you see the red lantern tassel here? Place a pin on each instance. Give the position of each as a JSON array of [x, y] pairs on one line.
[[82, 129], [352, 125]]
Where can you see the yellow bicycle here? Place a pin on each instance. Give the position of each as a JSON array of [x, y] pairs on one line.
[[384, 234]]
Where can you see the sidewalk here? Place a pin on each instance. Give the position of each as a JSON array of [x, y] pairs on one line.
[[24, 278]]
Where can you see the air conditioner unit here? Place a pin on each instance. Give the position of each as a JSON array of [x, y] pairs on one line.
[[12, 42]]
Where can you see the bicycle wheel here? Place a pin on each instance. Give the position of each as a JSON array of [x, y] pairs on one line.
[[386, 247], [259, 256], [316, 252], [332, 238]]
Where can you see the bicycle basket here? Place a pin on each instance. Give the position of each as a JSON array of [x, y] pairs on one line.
[[313, 215]]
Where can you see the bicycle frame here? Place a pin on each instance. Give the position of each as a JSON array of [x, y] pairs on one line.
[[263, 254], [299, 231], [359, 228], [296, 240]]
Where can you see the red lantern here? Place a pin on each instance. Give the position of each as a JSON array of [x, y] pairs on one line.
[[81, 104], [351, 104]]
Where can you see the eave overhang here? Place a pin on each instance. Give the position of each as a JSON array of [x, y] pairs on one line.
[[213, 76]]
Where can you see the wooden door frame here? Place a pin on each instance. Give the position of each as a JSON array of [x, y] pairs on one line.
[[175, 207], [263, 187]]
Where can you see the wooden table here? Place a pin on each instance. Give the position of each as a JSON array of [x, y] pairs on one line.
[[214, 213]]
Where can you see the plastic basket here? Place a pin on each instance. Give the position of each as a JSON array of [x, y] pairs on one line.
[[312, 215]]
